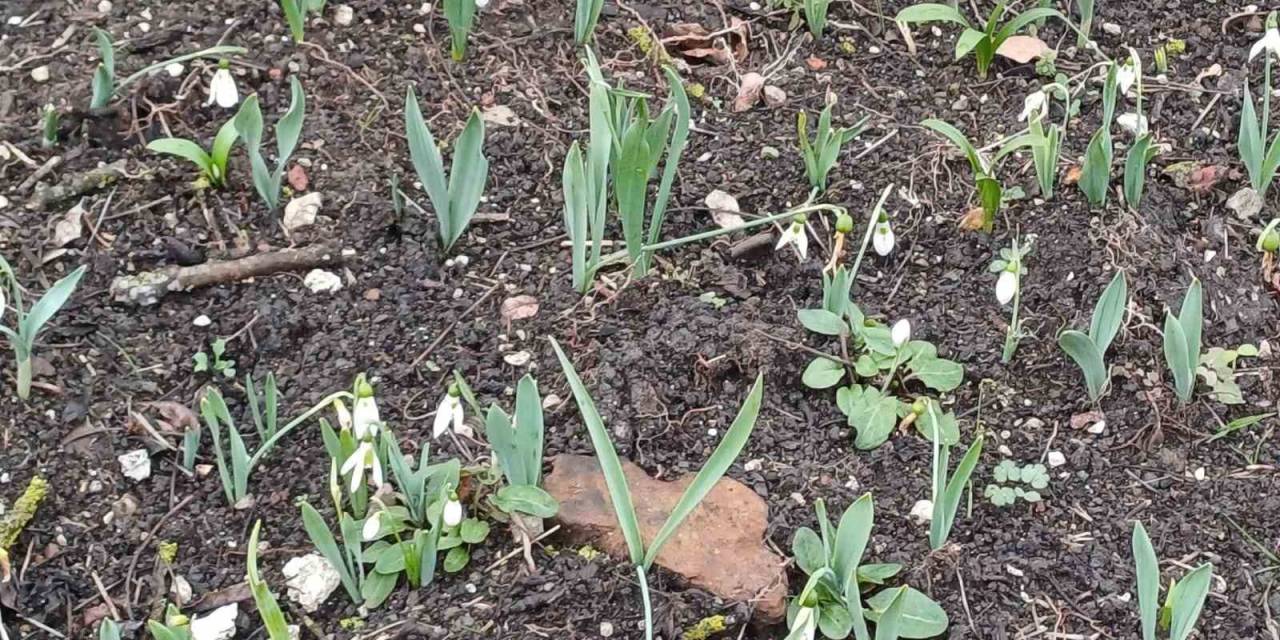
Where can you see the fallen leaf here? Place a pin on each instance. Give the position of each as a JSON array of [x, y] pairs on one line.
[[815, 63], [724, 209], [1082, 420], [1022, 49], [298, 178], [774, 96], [177, 418], [1073, 175], [694, 42], [973, 219], [1212, 71], [1195, 177], [748, 91], [519, 308], [69, 227], [500, 115]]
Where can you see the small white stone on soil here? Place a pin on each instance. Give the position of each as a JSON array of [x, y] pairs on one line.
[[310, 580], [1097, 428], [220, 624], [202, 321], [922, 511], [419, 28], [144, 27], [1014, 571], [798, 498], [518, 358], [15, 21], [753, 464], [301, 212], [145, 14], [321, 281], [606, 629], [40, 74], [1199, 474], [712, 432], [136, 464], [343, 15], [180, 590], [174, 69], [1111, 29], [1005, 451], [774, 96], [104, 6], [1056, 459], [1246, 203]]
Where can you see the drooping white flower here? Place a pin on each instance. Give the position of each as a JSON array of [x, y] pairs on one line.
[[1035, 106], [795, 234], [222, 88], [364, 418], [344, 415], [448, 413], [1126, 75], [452, 515], [364, 457], [807, 622], [372, 527], [901, 332], [1006, 286], [1134, 123], [1270, 41], [883, 239], [480, 4]]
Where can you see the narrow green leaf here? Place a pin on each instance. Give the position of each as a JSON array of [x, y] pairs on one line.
[[1025, 18], [932, 12], [184, 149], [268, 608], [44, 309], [1086, 355], [968, 40], [1249, 141], [1109, 314], [1148, 576], [1176, 357], [1187, 599], [852, 535], [221, 150], [584, 20], [313, 523], [1095, 175], [955, 490], [289, 128], [1135, 170], [427, 163], [808, 551], [961, 142], [293, 16], [716, 466], [631, 186], [1191, 317], [890, 623], [468, 175]]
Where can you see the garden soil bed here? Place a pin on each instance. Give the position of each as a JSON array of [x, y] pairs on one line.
[[666, 363]]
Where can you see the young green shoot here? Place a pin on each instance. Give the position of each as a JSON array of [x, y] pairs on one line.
[[823, 152], [1089, 350], [212, 164], [28, 323], [1182, 341], [815, 15], [347, 559], [1085, 8], [1095, 173], [990, 193], [456, 195], [519, 453], [295, 15], [104, 85], [585, 17], [49, 120], [722, 458], [461, 16], [946, 494], [1011, 270], [1143, 150], [248, 122], [1046, 138], [1183, 601], [1260, 158], [982, 43], [268, 608]]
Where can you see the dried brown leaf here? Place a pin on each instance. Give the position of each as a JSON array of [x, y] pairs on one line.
[[519, 308], [748, 91], [1022, 49]]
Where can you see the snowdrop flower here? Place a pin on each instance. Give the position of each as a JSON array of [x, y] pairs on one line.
[[1270, 42], [806, 620], [1006, 286], [222, 88], [1134, 123], [1126, 75], [452, 511], [883, 240], [372, 527], [1035, 106], [901, 332], [480, 4], [364, 419], [795, 234], [365, 457], [448, 413]]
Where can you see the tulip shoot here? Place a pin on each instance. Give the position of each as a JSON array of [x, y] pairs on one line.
[[1089, 350], [1260, 157], [248, 122], [456, 195], [1182, 344], [28, 323], [822, 153]]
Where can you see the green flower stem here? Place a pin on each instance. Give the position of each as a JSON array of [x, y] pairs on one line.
[[871, 229], [24, 377], [648, 606], [271, 442], [1011, 336], [211, 52]]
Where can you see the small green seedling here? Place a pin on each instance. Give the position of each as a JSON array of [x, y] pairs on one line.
[[248, 122], [1184, 600], [1218, 370], [822, 153], [1182, 341], [295, 14], [212, 164], [461, 16], [983, 43], [815, 15], [49, 120], [584, 20], [1085, 8], [1009, 478], [217, 365], [517, 445], [986, 184], [28, 323], [456, 195], [174, 626], [1089, 350], [946, 494], [268, 608], [1095, 173]]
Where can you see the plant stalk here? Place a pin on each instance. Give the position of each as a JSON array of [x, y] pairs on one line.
[[648, 606], [24, 378]]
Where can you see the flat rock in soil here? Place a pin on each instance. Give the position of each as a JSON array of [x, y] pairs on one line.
[[719, 547]]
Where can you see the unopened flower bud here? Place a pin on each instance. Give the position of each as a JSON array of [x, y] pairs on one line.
[[844, 223]]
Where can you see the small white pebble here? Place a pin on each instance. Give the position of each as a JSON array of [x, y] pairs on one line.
[[1199, 474], [40, 74], [1098, 427], [1005, 451], [922, 511], [471, 588], [174, 69], [798, 498], [1056, 459], [752, 465], [419, 28], [15, 21], [343, 15], [144, 27], [606, 629], [1014, 571], [146, 14], [104, 6], [712, 432], [202, 321]]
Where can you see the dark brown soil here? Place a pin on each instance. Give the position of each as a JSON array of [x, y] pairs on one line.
[[663, 365]]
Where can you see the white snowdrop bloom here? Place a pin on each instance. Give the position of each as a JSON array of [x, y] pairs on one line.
[[795, 234], [480, 4], [883, 239], [365, 457], [452, 512], [364, 417], [372, 527], [1035, 106], [449, 413], [222, 88], [1006, 286], [901, 332], [1126, 75], [1270, 41]]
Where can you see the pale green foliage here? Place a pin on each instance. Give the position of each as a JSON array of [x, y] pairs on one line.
[[28, 323], [1183, 601], [1045, 139], [1260, 158], [461, 16], [248, 122], [347, 559], [213, 362], [295, 15], [1143, 150], [585, 17], [982, 43], [1095, 173], [456, 195], [1182, 341], [518, 452], [1085, 7], [990, 193], [268, 609], [1089, 350], [212, 164], [1010, 480], [822, 153], [49, 119], [735, 438], [1218, 369], [174, 625], [946, 494], [815, 15]]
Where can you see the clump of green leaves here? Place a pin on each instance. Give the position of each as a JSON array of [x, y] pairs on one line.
[[213, 362], [248, 122], [268, 608], [1182, 341], [831, 601], [1260, 158], [412, 552], [946, 493], [519, 453], [347, 559], [1183, 601], [28, 323], [735, 438], [1010, 480], [295, 14], [461, 16], [1143, 150], [982, 43], [456, 195], [585, 17], [822, 153], [986, 184], [212, 164], [1095, 173], [1044, 139], [815, 15], [104, 85], [1089, 350], [1218, 370]]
